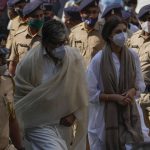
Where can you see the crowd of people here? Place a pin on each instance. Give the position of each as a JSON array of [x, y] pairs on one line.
[[77, 79]]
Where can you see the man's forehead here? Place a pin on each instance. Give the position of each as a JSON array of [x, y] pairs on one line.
[[36, 12]]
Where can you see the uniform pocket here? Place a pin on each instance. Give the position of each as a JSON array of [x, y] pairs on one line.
[[81, 46]]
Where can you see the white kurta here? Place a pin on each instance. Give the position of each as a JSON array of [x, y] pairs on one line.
[[96, 127]]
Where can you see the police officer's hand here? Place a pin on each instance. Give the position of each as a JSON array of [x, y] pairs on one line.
[[68, 120]]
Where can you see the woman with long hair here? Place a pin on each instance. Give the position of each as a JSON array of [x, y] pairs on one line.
[[114, 79]]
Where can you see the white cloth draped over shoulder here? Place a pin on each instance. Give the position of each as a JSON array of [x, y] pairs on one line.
[[45, 103]]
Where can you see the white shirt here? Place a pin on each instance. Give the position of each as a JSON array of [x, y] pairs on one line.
[[96, 108]]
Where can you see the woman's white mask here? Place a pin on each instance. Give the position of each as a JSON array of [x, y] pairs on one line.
[[120, 39]]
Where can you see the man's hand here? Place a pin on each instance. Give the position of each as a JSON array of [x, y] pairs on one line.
[[68, 120]]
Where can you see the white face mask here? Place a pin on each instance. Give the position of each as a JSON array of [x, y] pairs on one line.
[[3, 69], [146, 26], [120, 39], [59, 52]]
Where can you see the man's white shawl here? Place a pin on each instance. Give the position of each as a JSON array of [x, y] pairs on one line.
[[38, 104]]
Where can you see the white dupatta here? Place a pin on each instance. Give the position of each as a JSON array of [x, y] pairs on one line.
[[46, 103]]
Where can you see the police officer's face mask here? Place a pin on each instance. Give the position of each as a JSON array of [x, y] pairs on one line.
[[35, 23], [120, 39], [146, 26], [90, 21]]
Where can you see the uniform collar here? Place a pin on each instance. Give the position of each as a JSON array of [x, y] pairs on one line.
[[28, 33]]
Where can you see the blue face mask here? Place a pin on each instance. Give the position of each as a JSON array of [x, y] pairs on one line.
[[90, 21]]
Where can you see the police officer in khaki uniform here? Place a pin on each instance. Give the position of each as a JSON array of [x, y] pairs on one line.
[[116, 9], [112, 10], [8, 123], [29, 37], [141, 42], [87, 35], [49, 12], [18, 22], [131, 28], [71, 17]]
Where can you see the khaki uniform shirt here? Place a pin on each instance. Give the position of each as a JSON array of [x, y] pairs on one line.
[[88, 42], [23, 41], [17, 24], [6, 109], [142, 46]]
